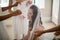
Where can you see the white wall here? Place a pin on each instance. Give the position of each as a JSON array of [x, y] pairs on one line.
[[59, 14], [4, 3], [55, 11], [46, 12], [40, 4]]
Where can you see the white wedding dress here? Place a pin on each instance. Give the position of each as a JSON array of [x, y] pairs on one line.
[[20, 24]]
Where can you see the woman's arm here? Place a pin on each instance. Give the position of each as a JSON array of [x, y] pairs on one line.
[[38, 32], [9, 7], [57, 28], [18, 12], [6, 8]]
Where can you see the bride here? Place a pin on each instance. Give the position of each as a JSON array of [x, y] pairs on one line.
[[34, 17]]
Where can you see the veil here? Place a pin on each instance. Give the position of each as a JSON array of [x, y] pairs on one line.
[[37, 21]]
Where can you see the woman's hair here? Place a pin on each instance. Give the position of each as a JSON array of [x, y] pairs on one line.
[[35, 12]]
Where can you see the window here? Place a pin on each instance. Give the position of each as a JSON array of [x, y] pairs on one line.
[[4, 3], [39, 3]]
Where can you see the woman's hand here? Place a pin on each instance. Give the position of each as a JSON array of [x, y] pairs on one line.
[[17, 12], [38, 31], [16, 4], [57, 33]]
